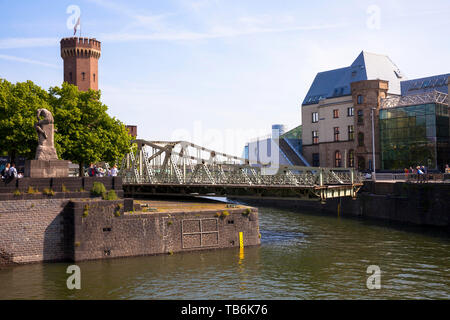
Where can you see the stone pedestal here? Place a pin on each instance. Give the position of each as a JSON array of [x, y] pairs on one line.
[[46, 168]]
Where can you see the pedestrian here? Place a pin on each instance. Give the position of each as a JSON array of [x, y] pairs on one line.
[[114, 171], [91, 170], [12, 171], [5, 172], [419, 174], [425, 173]]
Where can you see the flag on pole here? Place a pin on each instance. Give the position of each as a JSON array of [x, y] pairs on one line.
[[76, 25]]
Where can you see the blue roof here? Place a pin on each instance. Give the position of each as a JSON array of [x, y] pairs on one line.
[[421, 85], [367, 66]]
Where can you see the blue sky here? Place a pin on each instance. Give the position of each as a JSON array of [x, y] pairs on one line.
[[217, 72]]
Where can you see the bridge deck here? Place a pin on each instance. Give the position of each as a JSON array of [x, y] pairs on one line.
[[243, 190]]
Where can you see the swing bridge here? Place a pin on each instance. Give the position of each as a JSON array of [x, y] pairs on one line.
[[183, 168]]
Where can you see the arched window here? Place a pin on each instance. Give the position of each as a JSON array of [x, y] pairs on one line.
[[337, 159], [360, 139], [94, 77], [360, 99], [83, 75], [351, 159]]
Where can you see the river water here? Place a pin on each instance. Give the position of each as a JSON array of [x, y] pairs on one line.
[[302, 256]]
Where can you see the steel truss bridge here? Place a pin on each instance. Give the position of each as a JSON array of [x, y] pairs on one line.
[[183, 168]]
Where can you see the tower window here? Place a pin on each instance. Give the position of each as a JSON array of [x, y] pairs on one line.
[[361, 139], [94, 77], [83, 75], [360, 99], [360, 117], [70, 76]]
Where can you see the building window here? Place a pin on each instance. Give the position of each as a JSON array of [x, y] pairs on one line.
[[361, 139], [315, 117], [350, 111], [70, 76], [83, 76], [351, 158], [351, 133], [315, 137], [361, 163], [315, 160], [336, 133], [94, 77], [360, 99], [336, 113], [337, 159], [360, 117]]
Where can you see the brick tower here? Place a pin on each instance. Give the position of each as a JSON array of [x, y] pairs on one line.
[[80, 57]]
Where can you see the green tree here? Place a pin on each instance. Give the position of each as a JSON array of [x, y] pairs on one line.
[[18, 105], [86, 133]]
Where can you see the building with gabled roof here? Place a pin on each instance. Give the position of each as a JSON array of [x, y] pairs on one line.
[[337, 108]]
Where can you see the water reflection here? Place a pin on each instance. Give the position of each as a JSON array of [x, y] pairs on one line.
[[302, 256]]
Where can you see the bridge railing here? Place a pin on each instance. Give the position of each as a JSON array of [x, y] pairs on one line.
[[181, 162]]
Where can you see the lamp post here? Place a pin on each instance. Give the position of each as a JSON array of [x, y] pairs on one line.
[[373, 146]]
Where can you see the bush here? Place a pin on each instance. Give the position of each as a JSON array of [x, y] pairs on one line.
[[17, 192], [31, 190], [246, 212], [48, 192], [117, 210], [86, 211], [98, 189], [111, 195], [224, 214], [64, 189]]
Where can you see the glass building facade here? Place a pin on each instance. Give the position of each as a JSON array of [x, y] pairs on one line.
[[415, 135]]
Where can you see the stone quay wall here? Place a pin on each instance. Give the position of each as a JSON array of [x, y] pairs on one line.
[[104, 231], [423, 204], [32, 230], [38, 227]]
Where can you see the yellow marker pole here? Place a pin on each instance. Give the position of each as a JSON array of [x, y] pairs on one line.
[[241, 240], [339, 209]]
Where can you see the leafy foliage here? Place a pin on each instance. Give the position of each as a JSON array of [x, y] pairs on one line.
[[85, 131], [18, 106], [98, 189], [111, 195]]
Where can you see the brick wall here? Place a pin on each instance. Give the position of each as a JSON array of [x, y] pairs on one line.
[[74, 230], [104, 234], [32, 230]]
